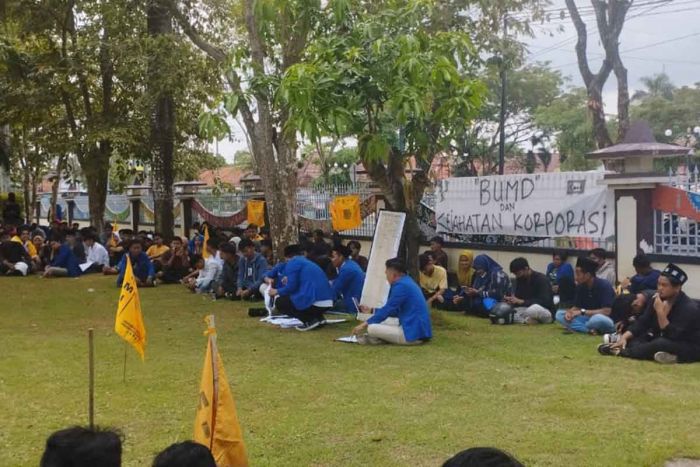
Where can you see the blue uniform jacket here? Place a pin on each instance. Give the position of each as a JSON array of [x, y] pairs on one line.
[[251, 272], [349, 283], [306, 283], [406, 303], [276, 274], [141, 265], [67, 260]]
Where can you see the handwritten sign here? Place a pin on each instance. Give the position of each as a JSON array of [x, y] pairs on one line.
[[566, 204]]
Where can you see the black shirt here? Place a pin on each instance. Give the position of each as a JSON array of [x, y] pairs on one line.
[[13, 252], [684, 321], [535, 290]]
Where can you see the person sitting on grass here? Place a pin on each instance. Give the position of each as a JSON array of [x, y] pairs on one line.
[[43, 250], [561, 278], [266, 251], [156, 251], [436, 251], [75, 241], [117, 250], [606, 270], [95, 253], [432, 279], [626, 308], [14, 259], [454, 299], [175, 263], [82, 447], [251, 270], [144, 273], [189, 280], [355, 255], [646, 278], [25, 240], [491, 284], [228, 285], [208, 278], [348, 285], [532, 298], [185, 454], [592, 303], [669, 329], [64, 262], [404, 319], [307, 295]]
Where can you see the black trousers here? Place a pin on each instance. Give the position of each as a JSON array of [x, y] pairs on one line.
[[284, 305], [644, 348]]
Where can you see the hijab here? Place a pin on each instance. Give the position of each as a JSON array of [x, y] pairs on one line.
[[465, 275], [486, 263]]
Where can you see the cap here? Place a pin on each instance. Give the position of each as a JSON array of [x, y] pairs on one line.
[[675, 274]]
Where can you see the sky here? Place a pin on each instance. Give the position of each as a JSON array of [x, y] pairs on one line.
[[658, 36]]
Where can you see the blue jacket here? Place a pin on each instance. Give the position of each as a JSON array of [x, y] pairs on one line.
[[277, 273], [67, 260], [349, 283], [141, 265], [251, 272], [565, 270], [648, 282], [306, 283], [406, 303]]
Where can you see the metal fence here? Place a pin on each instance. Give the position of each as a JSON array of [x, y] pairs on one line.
[[676, 235], [314, 203]]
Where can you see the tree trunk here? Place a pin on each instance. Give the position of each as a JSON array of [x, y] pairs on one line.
[[162, 121], [54, 187], [595, 107], [26, 169], [96, 170]]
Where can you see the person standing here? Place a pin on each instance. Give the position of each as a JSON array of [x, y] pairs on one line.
[[404, 319], [669, 329], [11, 211]]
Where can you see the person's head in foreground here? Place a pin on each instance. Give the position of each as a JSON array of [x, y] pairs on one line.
[[82, 447], [339, 254], [426, 264], [642, 265], [436, 244], [228, 252], [185, 454], [597, 255], [482, 457], [395, 270], [520, 268], [135, 248], [671, 282], [212, 246], [247, 248], [585, 271]]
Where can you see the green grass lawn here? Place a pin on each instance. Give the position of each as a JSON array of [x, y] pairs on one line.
[[303, 399]]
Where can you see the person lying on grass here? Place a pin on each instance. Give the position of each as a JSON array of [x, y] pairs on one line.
[[669, 329], [592, 302], [404, 319]]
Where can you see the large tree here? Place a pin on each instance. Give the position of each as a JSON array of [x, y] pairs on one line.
[[610, 19]]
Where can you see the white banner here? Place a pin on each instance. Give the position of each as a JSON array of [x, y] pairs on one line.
[[566, 204]]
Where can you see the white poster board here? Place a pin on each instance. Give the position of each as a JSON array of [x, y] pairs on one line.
[[564, 204], [385, 245]]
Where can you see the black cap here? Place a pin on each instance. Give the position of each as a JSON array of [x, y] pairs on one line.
[[676, 275]]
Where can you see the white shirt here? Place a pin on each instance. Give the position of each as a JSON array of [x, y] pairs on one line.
[[96, 254], [211, 271]]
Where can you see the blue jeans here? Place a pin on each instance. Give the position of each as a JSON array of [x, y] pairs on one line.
[[600, 323]]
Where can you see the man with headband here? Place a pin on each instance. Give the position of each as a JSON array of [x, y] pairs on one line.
[[669, 329]]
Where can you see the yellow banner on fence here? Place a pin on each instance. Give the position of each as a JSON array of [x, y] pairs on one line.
[[256, 212], [345, 212], [129, 322], [216, 421]]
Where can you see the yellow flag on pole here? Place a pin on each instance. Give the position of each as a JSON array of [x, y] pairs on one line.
[[205, 253], [345, 212], [216, 421], [256, 212], [129, 322]]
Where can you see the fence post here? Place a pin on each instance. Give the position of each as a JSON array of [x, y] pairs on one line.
[[37, 212], [134, 193], [186, 192], [70, 203]]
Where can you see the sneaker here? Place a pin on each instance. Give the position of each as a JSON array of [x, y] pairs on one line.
[[608, 349], [665, 357], [257, 312], [310, 325], [611, 338]]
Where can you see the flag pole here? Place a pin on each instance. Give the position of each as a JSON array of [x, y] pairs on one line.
[[91, 376], [124, 373]]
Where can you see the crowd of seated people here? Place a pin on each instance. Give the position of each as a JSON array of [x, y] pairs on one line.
[[320, 274]]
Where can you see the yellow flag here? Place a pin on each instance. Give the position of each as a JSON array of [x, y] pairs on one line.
[[345, 212], [129, 322], [256, 212], [205, 253], [216, 421]]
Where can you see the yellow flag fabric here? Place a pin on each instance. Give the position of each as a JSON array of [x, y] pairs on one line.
[[216, 421], [129, 323], [345, 212], [205, 253], [256, 212]]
